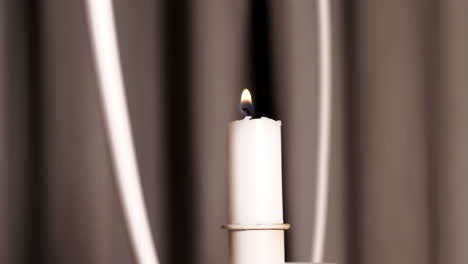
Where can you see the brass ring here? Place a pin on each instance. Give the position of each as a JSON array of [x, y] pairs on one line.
[[242, 227]]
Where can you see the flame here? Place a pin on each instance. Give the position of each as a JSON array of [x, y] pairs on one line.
[[246, 104], [246, 98]]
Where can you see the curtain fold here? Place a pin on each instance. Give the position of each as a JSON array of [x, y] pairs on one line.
[[452, 145], [399, 175], [391, 198]]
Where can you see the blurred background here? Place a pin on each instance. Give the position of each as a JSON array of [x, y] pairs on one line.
[[399, 168]]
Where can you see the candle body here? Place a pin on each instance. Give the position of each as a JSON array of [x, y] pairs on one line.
[[255, 182]]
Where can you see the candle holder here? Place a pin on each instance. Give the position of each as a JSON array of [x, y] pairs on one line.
[[256, 243]]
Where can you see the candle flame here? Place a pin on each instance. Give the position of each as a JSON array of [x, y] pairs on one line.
[[246, 98], [246, 104]]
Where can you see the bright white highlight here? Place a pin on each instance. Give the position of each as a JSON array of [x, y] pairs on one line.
[[324, 133], [117, 121]]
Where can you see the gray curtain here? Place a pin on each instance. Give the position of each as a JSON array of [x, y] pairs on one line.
[[399, 170]]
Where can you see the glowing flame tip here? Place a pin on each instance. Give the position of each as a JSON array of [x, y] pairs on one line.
[[246, 97]]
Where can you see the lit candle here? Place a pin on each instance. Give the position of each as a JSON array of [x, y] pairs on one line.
[[255, 183], [256, 229]]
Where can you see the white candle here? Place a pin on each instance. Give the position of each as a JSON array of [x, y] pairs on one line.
[[255, 182]]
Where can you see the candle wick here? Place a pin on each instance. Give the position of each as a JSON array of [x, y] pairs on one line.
[[246, 111]]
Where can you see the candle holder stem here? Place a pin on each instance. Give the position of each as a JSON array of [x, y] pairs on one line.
[[256, 244]]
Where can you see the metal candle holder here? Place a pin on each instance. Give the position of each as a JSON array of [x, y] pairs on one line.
[[256, 244]]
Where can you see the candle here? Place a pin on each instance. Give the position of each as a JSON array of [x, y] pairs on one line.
[[255, 182], [256, 229]]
